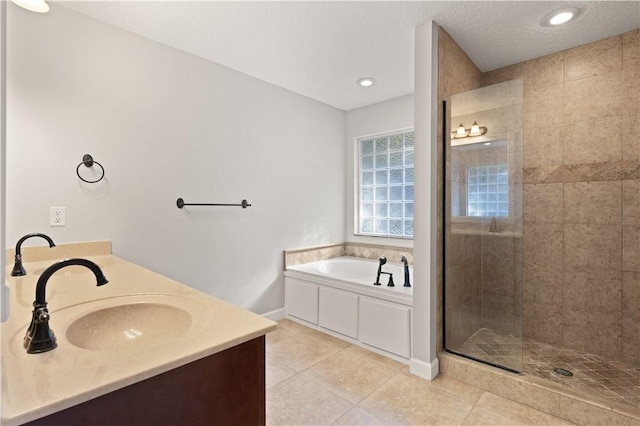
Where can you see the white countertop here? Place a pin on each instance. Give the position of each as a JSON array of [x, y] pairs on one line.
[[36, 385]]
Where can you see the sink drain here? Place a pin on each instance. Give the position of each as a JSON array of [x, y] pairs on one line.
[[562, 372]]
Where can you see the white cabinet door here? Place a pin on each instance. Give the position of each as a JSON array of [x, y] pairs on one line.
[[385, 326], [301, 300], [338, 311]]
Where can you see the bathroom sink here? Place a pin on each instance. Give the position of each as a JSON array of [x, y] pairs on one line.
[[116, 327], [130, 324]]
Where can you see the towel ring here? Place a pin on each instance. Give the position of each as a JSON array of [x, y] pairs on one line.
[[88, 161]]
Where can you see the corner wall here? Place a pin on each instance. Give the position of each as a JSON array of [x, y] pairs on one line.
[[424, 361], [167, 124], [4, 290]]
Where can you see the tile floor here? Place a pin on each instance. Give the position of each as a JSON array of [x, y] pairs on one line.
[[612, 381], [316, 379]]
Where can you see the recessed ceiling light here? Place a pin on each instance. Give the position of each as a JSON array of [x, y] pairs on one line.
[[366, 82], [39, 6], [560, 17]]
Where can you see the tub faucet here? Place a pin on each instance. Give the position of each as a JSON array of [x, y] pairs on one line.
[[407, 283], [18, 269], [40, 337], [390, 283], [381, 261]]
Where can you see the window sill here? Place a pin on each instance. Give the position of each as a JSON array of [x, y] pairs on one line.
[[387, 237]]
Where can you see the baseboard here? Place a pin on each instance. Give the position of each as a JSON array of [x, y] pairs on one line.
[[276, 315], [423, 369]]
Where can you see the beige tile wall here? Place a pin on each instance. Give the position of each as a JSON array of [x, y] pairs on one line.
[[456, 74], [582, 196], [367, 251], [299, 256], [464, 288], [375, 251], [501, 284]]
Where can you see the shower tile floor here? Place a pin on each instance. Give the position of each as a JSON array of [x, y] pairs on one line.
[[613, 381]]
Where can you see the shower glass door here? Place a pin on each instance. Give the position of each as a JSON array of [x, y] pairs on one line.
[[483, 141]]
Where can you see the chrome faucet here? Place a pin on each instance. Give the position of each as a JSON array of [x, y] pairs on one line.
[[40, 337], [18, 269], [407, 282]]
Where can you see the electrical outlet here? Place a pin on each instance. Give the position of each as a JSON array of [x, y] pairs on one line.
[[57, 216]]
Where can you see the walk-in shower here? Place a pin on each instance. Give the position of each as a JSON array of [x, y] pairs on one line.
[[528, 284], [483, 225]]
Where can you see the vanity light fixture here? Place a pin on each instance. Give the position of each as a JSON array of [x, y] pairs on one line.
[[39, 6], [560, 17], [475, 130], [366, 82]]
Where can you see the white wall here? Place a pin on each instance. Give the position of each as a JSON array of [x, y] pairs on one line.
[[424, 361], [166, 124], [4, 295], [395, 114]]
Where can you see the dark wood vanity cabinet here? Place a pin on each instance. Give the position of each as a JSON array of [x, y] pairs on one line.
[[227, 388]]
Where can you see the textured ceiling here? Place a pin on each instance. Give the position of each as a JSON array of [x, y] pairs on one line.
[[320, 48]]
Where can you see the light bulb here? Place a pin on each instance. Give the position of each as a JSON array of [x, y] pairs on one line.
[[475, 129], [561, 18], [461, 132], [366, 82], [39, 6]]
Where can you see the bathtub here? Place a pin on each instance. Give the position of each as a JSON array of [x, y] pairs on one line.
[[337, 297], [357, 275]]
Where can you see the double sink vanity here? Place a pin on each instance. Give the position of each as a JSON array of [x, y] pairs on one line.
[[141, 349]]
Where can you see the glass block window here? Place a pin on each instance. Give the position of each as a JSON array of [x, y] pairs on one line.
[[488, 190], [385, 185]]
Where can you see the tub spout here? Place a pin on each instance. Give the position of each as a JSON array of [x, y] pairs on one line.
[[407, 282], [39, 337]]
